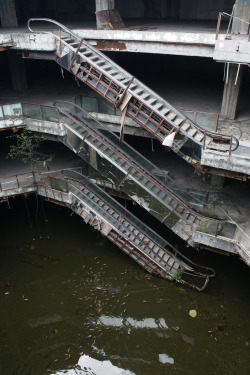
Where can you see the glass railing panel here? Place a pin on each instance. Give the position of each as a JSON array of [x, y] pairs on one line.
[[207, 121], [189, 114], [118, 112], [26, 180], [78, 100], [12, 111], [49, 113], [192, 149], [116, 206], [9, 183], [84, 153], [105, 107], [107, 169], [89, 103], [31, 111], [72, 140], [1, 113], [59, 184], [145, 199], [171, 220]]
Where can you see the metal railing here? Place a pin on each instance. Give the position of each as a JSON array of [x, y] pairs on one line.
[[165, 183], [231, 16], [16, 181], [100, 54], [29, 110]]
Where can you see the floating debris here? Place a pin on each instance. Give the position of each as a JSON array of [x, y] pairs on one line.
[[193, 313]]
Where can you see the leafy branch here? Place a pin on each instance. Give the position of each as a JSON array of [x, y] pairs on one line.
[[27, 148]]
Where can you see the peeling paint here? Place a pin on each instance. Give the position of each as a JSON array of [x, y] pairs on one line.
[[111, 45]]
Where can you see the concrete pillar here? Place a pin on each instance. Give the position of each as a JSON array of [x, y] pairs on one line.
[[242, 11], [17, 71], [103, 5], [8, 13], [231, 90]]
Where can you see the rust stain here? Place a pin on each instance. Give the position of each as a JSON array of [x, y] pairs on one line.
[[3, 48], [111, 45]]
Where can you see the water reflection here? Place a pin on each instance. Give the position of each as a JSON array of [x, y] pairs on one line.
[[90, 366], [112, 321], [75, 301], [164, 358]]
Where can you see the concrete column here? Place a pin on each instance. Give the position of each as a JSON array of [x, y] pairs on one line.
[[8, 13], [242, 10], [231, 90], [103, 5], [17, 71]]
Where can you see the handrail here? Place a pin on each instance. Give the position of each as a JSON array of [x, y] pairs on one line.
[[175, 251], [73, 34], [170, 192], [190, 272], [173, 193], [219, 135]]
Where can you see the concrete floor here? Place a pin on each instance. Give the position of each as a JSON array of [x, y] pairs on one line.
[[135, 24]]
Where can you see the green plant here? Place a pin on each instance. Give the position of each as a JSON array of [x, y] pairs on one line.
[[27, 148], [177, 275]]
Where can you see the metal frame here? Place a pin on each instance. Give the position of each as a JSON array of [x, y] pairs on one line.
[[99, 76]]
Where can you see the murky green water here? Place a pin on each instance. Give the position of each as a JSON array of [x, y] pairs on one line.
[[71, 303]]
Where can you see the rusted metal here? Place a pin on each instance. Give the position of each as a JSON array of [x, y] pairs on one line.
[[204, 140], [111, 45], [218, 26], [75, 55], [127, 247], [229, 174], [3, 48], [82, 142], [41, 55], [94, 73], [144, 174], [170, 213], [125, 177], [199, 167], [124, 93], [230, 148], [180, 126]]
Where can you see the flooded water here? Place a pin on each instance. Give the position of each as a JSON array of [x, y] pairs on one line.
[[75, 304]]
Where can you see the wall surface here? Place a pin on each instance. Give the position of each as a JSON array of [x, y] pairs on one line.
[[78, 10]]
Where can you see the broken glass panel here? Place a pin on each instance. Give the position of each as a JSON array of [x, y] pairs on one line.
[[89, 103], [31, 111], [1, 113], [49, 113], [58, 184], [107, 169], [207, 121], [105, 107], [12, 111]]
